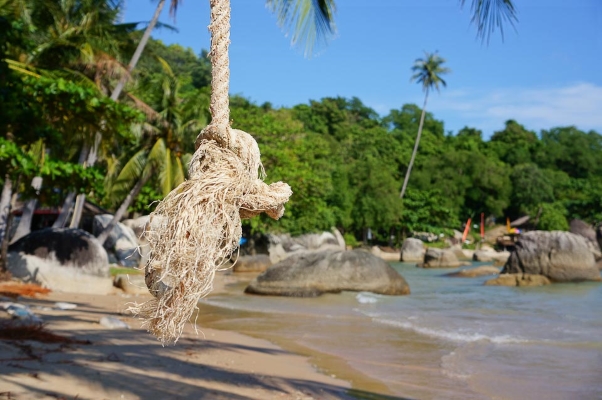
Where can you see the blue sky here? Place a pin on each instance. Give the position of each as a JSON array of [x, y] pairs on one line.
[[545, 73]]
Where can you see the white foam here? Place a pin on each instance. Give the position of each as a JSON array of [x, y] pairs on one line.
[[450, 335], [366, 298]]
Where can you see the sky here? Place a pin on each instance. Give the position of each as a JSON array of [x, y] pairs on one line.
[[544, 73]]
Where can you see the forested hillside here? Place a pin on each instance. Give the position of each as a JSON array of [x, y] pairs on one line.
[[344, 162]]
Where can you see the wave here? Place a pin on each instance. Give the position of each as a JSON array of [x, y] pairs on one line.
[[453, 336], [366, 298]]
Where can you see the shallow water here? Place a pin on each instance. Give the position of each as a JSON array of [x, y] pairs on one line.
[[451, 338]]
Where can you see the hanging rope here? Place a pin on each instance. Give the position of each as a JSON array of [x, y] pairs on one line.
[[195, 230]]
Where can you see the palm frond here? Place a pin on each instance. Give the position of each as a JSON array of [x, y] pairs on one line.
[[142, 106], [311, 21], [489, 15], [179, 173], [131, 172]]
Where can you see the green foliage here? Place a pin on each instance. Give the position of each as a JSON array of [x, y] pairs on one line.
[[425, 212], [553, 217], [343, 161]]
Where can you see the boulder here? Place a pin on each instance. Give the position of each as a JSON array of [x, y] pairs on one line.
[[138, 225], [518, 280], [483, 270], [385, 255], [428, 237], [256, 263], [460, 253], [441, 258], [490, 255], [311, 274], [283, 246], [412, 250], [559, 256], [122, 243], [584, 229], [131, 283], [65, 260]]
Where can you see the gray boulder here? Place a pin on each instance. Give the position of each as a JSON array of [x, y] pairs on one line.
[[441, 258], [330, 271], [559, 256], [490, 255], [122, 243], [138, 225], [283, 246], [256, 263], [599, 235], [384, 253], [66, 260], [584, 229], [412, 250]]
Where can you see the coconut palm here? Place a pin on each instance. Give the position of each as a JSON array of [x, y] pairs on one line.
[[162, 154], [427, 71], [313, 20]]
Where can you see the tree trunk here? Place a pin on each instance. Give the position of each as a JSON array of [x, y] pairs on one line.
[[29, 208], [93, 156], [64, 214], [80, 200], [4, 248], [84, 156], [102, 237], [117, 91], [7, 190], [407, 177], [24, 227]]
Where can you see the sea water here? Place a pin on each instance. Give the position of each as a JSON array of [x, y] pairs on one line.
[[451, 338]]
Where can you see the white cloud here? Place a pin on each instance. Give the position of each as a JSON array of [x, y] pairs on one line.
[[578, 104]]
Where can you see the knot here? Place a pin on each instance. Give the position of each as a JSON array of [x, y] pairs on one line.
[[239, 142]]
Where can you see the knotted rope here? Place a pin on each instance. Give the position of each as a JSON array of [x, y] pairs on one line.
[[195, 230]]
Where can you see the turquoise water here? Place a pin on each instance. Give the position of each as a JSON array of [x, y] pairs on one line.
[[451, 338]]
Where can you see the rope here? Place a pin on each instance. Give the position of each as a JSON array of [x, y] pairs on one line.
[[196, 229], [220, 75]]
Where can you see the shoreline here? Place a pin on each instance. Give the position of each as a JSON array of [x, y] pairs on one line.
[[131, 364]]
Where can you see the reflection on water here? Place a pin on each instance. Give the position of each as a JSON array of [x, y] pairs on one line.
[[451, 338]]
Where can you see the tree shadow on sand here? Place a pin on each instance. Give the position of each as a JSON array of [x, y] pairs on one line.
[[117, 361]]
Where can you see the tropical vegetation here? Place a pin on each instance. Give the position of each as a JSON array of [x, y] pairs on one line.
[[62, 60]]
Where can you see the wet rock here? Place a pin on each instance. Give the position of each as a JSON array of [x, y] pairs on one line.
[[483, 270], [518, 280]]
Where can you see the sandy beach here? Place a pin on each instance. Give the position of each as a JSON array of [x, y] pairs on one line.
[[102, 363]]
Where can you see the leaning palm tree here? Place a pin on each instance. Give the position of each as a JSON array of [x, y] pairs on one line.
[[161, 155], [116, 92], [427, 71]]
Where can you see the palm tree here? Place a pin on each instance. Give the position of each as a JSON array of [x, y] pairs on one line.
[[116, 92], [163, 144], [427, 71], [313, 20]]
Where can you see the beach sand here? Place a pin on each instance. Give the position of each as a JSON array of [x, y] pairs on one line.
[[107, 363]]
